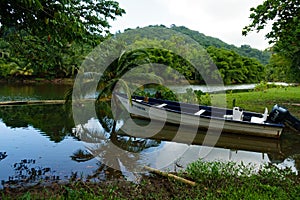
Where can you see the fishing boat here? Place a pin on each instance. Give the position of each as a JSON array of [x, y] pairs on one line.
[[234, 120]]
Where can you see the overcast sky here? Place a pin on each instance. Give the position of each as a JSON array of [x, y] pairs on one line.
[[223, 19]]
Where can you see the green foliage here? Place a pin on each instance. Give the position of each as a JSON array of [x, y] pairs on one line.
[[210, 172], [166, 93], [63, 21], [190, 96], [160, 52], [51, 38], [6, 67], [281, 68], [207, 41], [228, 180], [235, 68], [214, 180], [32, 56], [112, 75], [284, 16], [263, 86]]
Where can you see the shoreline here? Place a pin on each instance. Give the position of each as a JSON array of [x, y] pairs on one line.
[[213, 180], [63, 81]]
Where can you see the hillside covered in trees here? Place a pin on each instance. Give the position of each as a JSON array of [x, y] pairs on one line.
[[51, 39], [206, 41], [26, 61], [233, 67]]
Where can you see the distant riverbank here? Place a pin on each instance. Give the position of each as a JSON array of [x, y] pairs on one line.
[[65, 81], [219, 88]]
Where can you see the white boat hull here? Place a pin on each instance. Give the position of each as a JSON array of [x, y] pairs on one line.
[[230, 126]]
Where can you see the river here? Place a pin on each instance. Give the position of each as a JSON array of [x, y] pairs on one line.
[[42, 142]]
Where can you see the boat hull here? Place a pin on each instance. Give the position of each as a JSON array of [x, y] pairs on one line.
[[141, 109]]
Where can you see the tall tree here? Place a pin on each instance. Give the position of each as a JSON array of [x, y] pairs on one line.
[[51, 36], [285, 34]]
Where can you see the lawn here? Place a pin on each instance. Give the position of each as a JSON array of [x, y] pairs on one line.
[[288, 97]]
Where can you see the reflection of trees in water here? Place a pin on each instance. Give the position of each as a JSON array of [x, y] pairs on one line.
[[26, 172], [2, 155], [133, 144], [51, 120], [113, 151], [104, 172], [81, 156]]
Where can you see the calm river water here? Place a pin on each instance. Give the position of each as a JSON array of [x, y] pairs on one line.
[[42, 142]]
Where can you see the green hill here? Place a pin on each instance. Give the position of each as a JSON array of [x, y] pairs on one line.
[[206, 41], [234, 67]]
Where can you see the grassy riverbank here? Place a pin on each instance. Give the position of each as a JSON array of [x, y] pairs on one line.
[[214, 180], [257, 100]]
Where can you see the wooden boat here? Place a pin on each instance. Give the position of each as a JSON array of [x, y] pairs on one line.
[[233, 120]]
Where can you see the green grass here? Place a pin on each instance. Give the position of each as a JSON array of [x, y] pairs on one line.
[[258, 100], [231, 181], [214, 180]]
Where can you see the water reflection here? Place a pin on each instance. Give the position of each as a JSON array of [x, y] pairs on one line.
[[164, 150], [47, 135], [51, 120], [26, 172], [114, 150], [2, 155], [34, 138]]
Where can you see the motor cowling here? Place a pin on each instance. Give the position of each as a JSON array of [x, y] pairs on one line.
[[278, 114], [282, 115]]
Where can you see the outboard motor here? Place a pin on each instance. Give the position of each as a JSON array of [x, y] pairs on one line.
[[282, 115]]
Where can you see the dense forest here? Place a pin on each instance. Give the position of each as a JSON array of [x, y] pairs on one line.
[[206, 41], [233, 67], [51, 40], [24, 58]]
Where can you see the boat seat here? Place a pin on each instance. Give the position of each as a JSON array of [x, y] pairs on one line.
[[260, 120], [229, 117], [139, 100], [161, 105], [200, 112], [237, 114]]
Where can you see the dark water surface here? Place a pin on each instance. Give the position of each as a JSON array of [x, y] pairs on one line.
[[42, 142], [40, 91]]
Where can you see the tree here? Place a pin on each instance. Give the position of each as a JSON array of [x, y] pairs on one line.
[[63, 20], [51, 37], [207, 41], [285, 33], [235, 68], [275, 69]]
